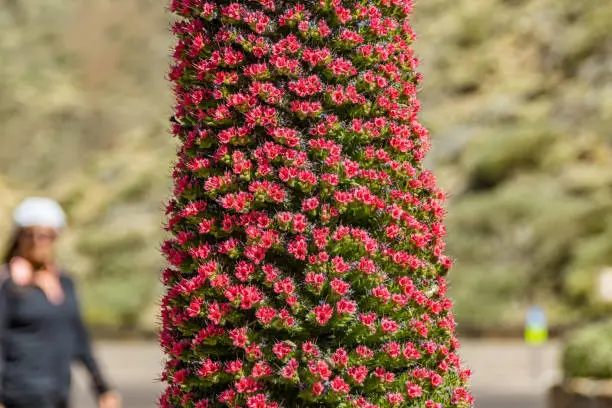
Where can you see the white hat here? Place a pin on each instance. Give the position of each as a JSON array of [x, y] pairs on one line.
[[39, 212]]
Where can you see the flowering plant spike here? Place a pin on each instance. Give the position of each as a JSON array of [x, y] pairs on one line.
[[305, 264]]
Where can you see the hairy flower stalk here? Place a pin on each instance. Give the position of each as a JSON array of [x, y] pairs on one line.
[[306, 264]]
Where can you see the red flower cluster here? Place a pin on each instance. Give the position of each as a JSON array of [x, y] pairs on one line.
[[306, 264]]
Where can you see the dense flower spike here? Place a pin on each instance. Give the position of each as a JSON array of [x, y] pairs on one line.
[[306, 264]]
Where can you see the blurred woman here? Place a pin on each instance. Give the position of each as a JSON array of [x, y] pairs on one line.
[[41, 330]]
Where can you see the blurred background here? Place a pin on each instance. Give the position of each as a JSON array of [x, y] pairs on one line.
[[517, 95]]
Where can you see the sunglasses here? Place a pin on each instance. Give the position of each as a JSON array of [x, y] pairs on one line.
[[36, 236]]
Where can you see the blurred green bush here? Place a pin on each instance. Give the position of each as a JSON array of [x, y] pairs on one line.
[[588, 352]]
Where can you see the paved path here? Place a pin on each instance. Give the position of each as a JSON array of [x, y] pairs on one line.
[[504, 374]]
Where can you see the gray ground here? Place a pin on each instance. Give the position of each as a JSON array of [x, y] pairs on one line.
[[506, 374]]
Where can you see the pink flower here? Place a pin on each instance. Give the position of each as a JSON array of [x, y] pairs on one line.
[[288, 320], [290, 369], [345, 306], [258, 401], [430, 347], [465, 374], [395, 398], [233, 367], [209, 367], [253, 351], [339, 385], [388, 325], [202, 404], [284, 217], [244, 270], [381, 292], [271, 273], [393, 349], [310, 204], [368, 319], [216, 312], [239, 337], [310, 349], [194, 307], [462, 395], [364, 352], [317, 388], [383, 375], [181, 375], [339, 286], [247, 384], [436, 380], [227, 396], [298, 248], [323, 313], [299, 223], [265, 314], [261, 369], [339, 265], [340, 357], [285, 286], [358, 373], [282, 349], [413, 390], [320, 369], [410, 352]]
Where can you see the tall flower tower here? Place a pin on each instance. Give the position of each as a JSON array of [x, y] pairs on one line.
[[306, 264]]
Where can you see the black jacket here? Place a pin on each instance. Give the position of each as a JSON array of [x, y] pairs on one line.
[[38, 341]]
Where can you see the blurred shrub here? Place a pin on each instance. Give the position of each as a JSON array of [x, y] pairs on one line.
[[488, 161], [588, 352], [520, 119]]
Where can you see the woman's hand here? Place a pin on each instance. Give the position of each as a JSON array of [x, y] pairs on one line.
[[22, 271], [108, 400]]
